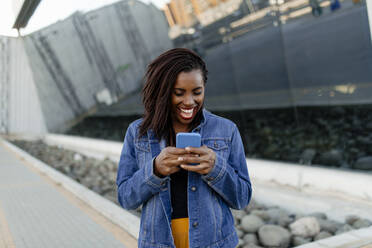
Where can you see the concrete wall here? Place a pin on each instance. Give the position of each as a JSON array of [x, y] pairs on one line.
[[20, 105], [75, 60], [4, 82]]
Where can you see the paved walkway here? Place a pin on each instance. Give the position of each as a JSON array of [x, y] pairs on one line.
[[35, 212]]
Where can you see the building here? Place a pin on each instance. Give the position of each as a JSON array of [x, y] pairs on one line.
[[186, 13]]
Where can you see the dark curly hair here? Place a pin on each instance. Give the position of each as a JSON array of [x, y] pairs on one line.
[[160, 78]]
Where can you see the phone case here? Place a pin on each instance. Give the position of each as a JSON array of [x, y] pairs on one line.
[[188, 139]]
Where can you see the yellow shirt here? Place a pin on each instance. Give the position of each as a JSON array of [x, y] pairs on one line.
[[180, 232]]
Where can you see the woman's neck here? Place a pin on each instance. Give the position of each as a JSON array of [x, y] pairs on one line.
[[178, 129]]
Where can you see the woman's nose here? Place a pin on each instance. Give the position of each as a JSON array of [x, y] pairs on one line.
[[189, 100]]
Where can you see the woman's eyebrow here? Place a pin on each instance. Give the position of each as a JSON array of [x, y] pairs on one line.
[[198, 88]]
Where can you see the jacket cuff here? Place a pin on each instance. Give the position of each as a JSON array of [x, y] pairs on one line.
[[152, 179], [217, 172]]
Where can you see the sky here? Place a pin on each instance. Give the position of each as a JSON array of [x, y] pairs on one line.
[[50, 11]]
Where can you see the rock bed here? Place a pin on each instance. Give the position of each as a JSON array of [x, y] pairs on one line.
[[262, 226], [257, 225], [338, 136]]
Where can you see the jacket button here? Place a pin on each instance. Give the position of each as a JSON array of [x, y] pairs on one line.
[[193, 188], [195, 224], [210, 178]]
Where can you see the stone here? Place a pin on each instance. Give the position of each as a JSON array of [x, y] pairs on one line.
[[276, 214], [361, 223], [369, 125], [261, 213], [350, 219], [322, 235], [285, 220], [298, 240], [240, 243], [305, 227], [251, 246], [240, 233], [363, 163], [274, 236], [318, 215], [251, 223], [299, 216], [333, 157], [363, 140], [77, 157], [344, 228], [307, 156], [250, 238], [337, 111], [329, 225]]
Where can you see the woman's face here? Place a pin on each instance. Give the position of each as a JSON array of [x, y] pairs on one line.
[[187, 99]]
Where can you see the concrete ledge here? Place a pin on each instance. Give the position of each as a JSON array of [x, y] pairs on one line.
[[352, 183], [95, 148], [352, 239], [114, 213]]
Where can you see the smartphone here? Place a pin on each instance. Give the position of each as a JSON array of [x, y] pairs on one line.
[[188, 139]]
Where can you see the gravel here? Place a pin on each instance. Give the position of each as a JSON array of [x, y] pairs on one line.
[[257, 225]]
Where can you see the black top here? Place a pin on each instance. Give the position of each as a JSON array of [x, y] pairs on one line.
[[179, 180], [179, 194]]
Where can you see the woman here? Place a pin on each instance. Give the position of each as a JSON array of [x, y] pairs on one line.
[[183, 205]]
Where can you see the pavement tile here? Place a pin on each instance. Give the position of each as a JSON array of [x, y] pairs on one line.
[[38, 215]]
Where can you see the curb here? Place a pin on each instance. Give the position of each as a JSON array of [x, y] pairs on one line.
[[126, 220]]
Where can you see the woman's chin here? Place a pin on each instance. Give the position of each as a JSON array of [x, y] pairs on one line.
[[185, 120]]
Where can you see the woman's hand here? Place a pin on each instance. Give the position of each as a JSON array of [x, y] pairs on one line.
[[167, 162], [205, 159]]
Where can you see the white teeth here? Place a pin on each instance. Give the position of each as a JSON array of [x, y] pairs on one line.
[[187, 113], [187, 110]]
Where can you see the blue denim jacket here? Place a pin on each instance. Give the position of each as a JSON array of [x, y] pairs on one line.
[[210, 196]]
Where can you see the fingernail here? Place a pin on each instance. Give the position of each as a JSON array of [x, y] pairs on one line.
[[180, 158], [187, 148]]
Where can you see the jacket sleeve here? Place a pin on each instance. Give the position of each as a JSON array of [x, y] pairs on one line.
[[136, 184], [230, 178]]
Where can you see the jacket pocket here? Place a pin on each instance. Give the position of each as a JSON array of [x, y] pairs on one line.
[[219, 146], [142, 151], [216, 143], [142, 145]]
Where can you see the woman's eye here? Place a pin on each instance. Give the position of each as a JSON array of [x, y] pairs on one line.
[[178, 93], [197, 93]]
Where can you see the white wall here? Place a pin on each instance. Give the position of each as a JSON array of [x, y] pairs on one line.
[[23, 108]]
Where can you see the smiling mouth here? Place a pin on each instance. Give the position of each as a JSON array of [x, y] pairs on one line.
[[187, 114]]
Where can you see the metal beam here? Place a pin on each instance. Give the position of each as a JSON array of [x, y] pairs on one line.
[[24, 15]]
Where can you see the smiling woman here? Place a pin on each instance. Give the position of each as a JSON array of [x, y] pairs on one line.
[[186, 193], [173, 83]]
